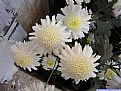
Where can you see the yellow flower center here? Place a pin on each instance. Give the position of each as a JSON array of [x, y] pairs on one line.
[[22, 59], [72, 22], [109, 74], [49, 37], [50, 63], [79, 67]]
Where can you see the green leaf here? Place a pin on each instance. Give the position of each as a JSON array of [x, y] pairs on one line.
[[115, 22], [103, 28], [96, 84], [104, 48]]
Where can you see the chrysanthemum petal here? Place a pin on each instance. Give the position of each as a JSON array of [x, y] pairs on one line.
[[24, 55], [76, 19], [50, 35], [77, 64]]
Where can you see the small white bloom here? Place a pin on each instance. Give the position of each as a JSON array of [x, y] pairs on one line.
[[76, 19], [49, 62], [78, 64], [117, 8], [50, 36], [108, 74], [114, 83], [24, 55], [39, 87], [7, 67]]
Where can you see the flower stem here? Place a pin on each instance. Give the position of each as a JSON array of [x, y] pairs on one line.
[[50, 74]]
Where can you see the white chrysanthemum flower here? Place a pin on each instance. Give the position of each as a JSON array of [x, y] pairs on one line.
[[117, 8], [49, 62], [80, 1], [50, 36], [24, 55], [76, 19], [7, 67], [78, 64], [115, 82], [39, 87], [108, 74]]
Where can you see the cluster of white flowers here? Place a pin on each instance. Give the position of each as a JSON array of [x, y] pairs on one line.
[[50, 39]]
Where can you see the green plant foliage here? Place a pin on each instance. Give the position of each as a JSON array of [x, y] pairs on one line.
[[115, 22], [103, 28]]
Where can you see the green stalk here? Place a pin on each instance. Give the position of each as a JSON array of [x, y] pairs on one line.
[[50, 74]]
